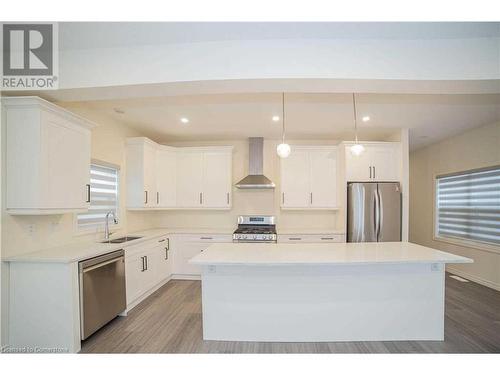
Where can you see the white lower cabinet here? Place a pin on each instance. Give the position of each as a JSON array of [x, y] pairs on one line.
[[311, 238], [150, 264], [147, 266], [189, 245]]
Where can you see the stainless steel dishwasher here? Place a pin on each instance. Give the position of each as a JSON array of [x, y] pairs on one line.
[[102, 291]]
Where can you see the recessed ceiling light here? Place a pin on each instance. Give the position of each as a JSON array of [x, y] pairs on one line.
[[365, 118], [276, 118], [184, 120], [119, 111]]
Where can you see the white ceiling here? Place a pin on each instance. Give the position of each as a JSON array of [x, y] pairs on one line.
[[430, 118], [85, 35]]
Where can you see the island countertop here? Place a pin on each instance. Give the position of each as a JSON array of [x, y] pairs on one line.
[[263, 254]]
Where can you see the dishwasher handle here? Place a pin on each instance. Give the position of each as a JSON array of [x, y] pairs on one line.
[[88, 269]]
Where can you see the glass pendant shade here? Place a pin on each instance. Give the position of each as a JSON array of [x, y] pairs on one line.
[[283, 150], [357, 149]]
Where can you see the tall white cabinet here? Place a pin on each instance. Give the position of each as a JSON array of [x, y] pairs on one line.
[[162, 177], [309, 178], [47, 157]]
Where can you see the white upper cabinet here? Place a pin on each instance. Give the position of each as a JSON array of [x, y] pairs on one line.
[[217, 185], [309, 178], [166, 170], [295, 181], [163, 177], [189, 179], [47, 158], [204, 177], [323, 166], [141, 173], [379, 162]]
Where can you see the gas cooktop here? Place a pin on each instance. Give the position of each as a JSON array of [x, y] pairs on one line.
[[255, 229]]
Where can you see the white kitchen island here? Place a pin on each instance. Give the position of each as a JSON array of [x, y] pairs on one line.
[[323, 292]]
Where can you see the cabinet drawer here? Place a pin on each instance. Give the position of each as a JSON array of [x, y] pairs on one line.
[[208, 238], [310, 238]]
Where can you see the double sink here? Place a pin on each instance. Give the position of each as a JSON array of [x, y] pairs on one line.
[[122, 239]]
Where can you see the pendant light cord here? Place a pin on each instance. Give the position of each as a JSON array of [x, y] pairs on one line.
[[355, 118], [283, 118]]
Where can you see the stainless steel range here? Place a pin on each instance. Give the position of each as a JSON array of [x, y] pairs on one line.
[[255, 229]]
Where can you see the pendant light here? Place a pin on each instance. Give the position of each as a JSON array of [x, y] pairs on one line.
[[357, 148], [283, 148]]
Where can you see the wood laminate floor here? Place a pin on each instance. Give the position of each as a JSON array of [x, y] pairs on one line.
[[169, 321]]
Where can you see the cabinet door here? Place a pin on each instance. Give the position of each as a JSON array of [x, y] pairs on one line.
[[323, 166], [189, 179], [216, 179], [135, 276], [386, 162], [357, 167], [295, 180], [166, 178], [164, 259], [149, 168], [66, 164]]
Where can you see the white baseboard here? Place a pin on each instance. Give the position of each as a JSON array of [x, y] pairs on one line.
[[473, 278], [185, 277]]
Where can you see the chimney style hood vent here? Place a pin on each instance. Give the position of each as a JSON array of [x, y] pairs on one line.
[[255, 178]]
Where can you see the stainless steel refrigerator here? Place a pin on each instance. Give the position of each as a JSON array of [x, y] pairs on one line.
[[373, 212]]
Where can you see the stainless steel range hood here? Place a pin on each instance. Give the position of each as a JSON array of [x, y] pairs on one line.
[[255, 178]]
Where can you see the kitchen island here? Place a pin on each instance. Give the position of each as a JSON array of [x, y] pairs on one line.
[[323, 292]]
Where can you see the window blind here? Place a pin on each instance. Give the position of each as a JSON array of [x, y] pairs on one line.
[[103, 196], [468, 206]]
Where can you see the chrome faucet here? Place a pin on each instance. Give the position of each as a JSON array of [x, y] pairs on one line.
[[106, 224]]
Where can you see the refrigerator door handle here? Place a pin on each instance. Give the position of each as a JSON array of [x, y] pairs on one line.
[[375, 213], [380, 214]]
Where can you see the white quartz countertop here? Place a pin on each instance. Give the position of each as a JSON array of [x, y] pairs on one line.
[[84, 250], [322, 254]]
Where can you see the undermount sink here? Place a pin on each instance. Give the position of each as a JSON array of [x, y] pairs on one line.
[[122, 239]]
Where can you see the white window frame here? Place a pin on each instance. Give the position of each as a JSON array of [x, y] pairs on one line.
[[473, 244], [112, 225]]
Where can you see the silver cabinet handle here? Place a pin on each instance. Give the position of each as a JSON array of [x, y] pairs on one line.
[[374, 172], [143, 264], [146, 197], [283, 197], [146, 258], [370, 171], [295, 238], [206, 238], [163, 240], [157, 197], [326, 238], [201, 198], [311, 198], [227, 196], [166, 253]]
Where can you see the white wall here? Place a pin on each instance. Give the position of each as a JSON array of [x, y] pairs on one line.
[[108, 144], [476, 148], [245, 202]]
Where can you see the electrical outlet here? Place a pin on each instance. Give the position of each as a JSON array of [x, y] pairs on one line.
[[435, 267], [212, 269]]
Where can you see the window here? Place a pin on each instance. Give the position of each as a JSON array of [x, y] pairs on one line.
[[103, 196], [468, 206]]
